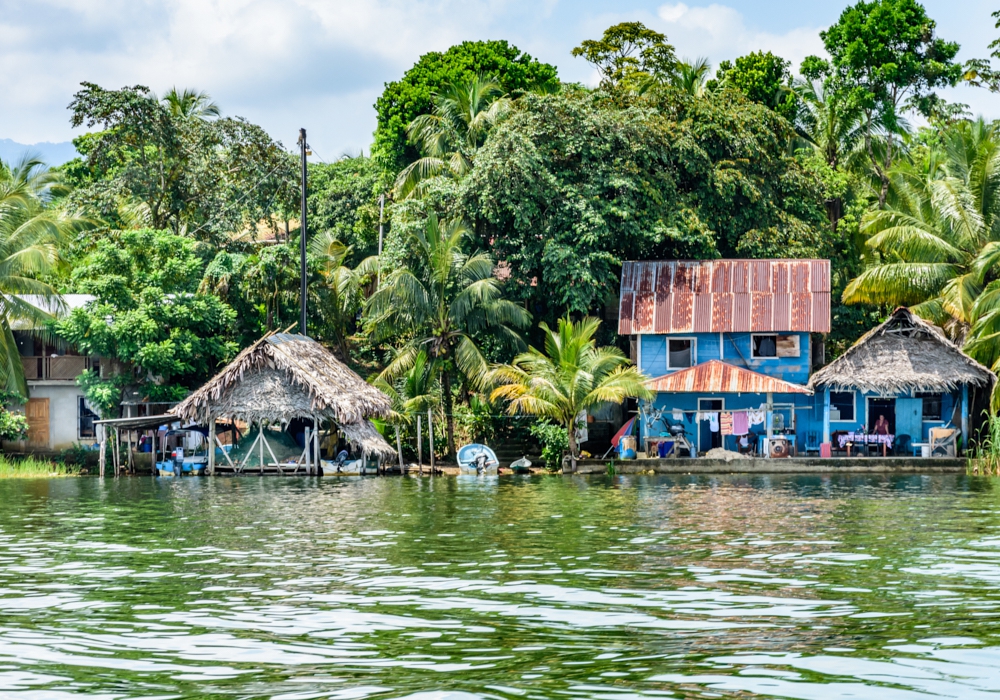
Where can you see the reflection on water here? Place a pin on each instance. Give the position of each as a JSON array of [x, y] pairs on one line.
[[517, 587]]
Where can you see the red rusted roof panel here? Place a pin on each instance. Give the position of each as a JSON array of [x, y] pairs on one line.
[[761, 307], [715, 376], [760, 295], [703, 313]]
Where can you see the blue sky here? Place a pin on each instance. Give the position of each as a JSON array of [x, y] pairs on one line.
[[321, 63]]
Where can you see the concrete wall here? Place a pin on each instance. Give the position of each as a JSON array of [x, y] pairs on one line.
[[63, 411]]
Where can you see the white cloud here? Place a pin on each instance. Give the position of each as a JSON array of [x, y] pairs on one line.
[[280, 63], [721, 32]]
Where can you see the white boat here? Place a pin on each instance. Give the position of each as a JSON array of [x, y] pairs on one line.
[[477, 459]]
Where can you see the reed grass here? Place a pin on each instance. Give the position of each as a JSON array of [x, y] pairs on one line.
[[31, 467], [985, 457]]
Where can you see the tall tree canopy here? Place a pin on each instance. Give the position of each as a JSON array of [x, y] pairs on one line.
[[163, 165], [763, 78], [404, 100], [570, 185], [629, 54], [885, 59]]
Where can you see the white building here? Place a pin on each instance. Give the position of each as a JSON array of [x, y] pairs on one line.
[[58, 415]]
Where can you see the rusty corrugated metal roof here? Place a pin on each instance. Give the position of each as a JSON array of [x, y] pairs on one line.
[[725, 296], [715, 376]]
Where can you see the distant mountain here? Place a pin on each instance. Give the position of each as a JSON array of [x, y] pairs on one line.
[[51, 153]]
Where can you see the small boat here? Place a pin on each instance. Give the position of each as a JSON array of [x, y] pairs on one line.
[[521, 466], [477, 459]]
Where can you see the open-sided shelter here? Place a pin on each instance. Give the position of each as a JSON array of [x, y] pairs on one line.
[[283, 377], [905, 370]]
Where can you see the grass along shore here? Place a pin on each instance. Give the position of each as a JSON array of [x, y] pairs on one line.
[[28, 467]]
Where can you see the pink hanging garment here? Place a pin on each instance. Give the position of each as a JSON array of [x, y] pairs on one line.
[[741, 423]]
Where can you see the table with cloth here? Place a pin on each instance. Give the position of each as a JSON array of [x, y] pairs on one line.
[[851, 439]]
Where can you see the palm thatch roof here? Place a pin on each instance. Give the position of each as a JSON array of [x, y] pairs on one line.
[[285, 376], [901, 355]]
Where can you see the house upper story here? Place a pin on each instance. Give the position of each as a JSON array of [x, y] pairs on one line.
[[761, 315], [47, 359]]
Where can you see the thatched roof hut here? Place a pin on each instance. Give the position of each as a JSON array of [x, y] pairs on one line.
[[901, 355], [284, 376]]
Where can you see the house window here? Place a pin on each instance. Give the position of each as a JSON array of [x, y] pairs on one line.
[[765, 345], [680, 353], [85, 419], [842, 405], [933, 409]]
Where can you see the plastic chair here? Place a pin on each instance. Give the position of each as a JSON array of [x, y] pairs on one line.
[[812, 442], [901, 445]]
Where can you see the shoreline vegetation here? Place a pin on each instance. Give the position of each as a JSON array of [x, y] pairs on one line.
[[33, 467], [497, 203]]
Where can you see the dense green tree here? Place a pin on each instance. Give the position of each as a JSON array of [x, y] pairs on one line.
[[149, 166], [33, 235], [344, 200], [149, 316], [764, 78], [571, 375], [884, 60], [404, 100], [442, 304], [342, 288], [448, 137], [571, 185], [628, 55]]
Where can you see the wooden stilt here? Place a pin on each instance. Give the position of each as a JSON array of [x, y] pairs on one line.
[[316, 446], [399, 450], [430, 438], [211, 446], [260, 439], [420, 450], [225, 454], [102, 458], [129, 457], [152, 451]]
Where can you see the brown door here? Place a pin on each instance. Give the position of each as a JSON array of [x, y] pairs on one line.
[[37, 413]]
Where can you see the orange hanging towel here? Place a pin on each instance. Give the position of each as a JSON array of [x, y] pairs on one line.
[[726, 423]]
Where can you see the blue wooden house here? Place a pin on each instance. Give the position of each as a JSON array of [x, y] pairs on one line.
[[724, 338]]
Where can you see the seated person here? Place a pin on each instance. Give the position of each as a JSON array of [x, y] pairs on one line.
[[881, 425]]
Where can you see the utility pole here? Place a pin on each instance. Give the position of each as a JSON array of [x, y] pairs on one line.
[[381, 210], [302, 230]]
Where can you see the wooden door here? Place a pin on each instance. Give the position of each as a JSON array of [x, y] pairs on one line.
[[37, 413], [909, 418]]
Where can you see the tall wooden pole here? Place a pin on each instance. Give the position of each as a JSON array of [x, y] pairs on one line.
[[420, 450], [303, 231], [430, 438], [399, 450], [381, 210], [211, 446]]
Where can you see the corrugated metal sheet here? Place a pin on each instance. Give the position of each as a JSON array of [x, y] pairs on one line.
[[724, 296], [719, 377]]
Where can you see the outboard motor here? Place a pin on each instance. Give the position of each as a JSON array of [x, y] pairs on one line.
[[341, 460], [480, 463]]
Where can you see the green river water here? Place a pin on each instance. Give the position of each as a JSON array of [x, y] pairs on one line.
[[519, 587]]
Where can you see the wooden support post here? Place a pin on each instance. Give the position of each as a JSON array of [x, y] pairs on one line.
[[129, 456], [826, 415], [316, 446], [965, 417], [430, 439], [117, 448], [260, 447], [420, 450], [399, 450], [152, 450], [211, 446], [103, 456]]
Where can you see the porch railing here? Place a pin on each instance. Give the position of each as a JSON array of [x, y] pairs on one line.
[[67, 367]]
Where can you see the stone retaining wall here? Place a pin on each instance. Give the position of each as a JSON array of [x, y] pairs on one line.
[[793, 465]]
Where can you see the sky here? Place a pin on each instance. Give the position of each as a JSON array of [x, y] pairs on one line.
[[321, 64]]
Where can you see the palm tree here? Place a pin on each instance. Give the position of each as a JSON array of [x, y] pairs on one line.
[[464, 112], [572, 375], [690, 77], [442, 305], [31, 236], [343, 286], [191, 103], [937, 241]]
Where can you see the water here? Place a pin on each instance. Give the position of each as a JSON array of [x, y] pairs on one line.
[[540, 587]]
